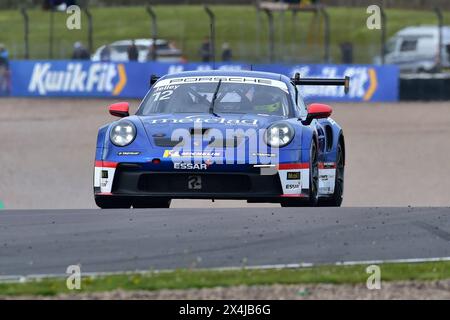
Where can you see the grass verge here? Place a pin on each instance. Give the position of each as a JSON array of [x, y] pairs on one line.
[[185, 279]]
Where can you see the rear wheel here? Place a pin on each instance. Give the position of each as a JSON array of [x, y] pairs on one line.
[[336, 198], [112, 203], [144, 203], [313, 183]]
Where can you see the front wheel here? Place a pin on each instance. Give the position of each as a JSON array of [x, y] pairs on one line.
[[313, 198]]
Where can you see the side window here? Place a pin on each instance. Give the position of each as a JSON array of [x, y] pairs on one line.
[[295, 96], [408, 45], [120, 49], [302, 106]]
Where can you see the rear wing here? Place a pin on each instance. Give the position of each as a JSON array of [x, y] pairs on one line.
[[321, 82]]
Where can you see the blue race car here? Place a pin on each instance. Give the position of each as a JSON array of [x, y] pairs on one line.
[[222, 135]]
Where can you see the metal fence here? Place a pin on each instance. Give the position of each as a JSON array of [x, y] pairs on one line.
[[410, 4], [406, 4], [296, 37]]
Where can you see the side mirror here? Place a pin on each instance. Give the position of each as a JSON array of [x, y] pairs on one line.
[[318, 111], [120, 109], [153, 79]]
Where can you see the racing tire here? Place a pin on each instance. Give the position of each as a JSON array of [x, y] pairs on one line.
[[336, 198], [313, 183], [112, 203], [147, 204]]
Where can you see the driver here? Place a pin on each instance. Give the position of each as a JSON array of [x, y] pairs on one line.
[[264, 102]]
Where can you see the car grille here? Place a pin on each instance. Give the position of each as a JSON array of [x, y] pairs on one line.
[[165, 142], [214, 183], [134, 180]]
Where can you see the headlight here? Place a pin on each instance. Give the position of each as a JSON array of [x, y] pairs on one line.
[[122, 133], [279, 134]]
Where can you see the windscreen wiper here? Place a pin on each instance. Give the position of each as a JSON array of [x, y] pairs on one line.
[[214, 98]]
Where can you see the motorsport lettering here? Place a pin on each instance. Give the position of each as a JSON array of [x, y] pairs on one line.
[[249, 122], [98, 77], [190, 166]]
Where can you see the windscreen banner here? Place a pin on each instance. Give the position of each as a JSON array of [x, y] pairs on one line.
[[70, 78]]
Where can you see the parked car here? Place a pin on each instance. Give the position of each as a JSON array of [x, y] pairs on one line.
[[165, 51], [415, 49]]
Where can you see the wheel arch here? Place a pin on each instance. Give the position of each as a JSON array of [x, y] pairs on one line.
[[101, 141], [341, 140], [308, 135]]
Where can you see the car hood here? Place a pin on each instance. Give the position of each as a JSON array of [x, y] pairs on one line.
[[166, 123], [162, 126]]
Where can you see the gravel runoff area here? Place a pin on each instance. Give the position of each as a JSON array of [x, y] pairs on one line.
[[389, 290], [397, 154]]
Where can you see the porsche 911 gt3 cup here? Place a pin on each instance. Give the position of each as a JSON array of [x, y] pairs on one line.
[[222, 135]]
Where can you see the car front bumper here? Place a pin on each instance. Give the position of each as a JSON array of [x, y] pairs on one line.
[[248, 182]]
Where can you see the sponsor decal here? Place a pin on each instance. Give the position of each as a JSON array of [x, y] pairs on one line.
[[177, 154], [293, 175], [97, 77], [364, 82], [226, 79], [128, 153], [259, 154], [197, 119], [292, 186], [190, 166], [327, 165], [223, 78]]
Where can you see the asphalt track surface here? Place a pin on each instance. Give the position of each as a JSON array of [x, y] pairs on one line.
[[48, 241]]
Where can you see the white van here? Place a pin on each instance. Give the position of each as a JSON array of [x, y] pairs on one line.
[[415, 49]]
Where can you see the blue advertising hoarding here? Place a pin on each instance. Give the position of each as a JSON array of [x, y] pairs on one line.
[[131, 79]]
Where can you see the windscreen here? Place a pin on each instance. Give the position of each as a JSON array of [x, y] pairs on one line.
[[239, 95]]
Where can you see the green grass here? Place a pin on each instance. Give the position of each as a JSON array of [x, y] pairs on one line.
[[183, 279], [188, 25]]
